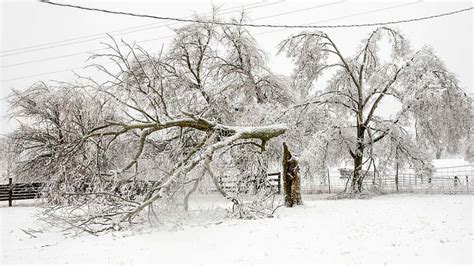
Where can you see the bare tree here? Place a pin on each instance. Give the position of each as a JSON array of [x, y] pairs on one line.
[[418, 81], [173, 111], [52, 120]]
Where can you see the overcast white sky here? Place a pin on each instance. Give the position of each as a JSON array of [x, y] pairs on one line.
[[30, 23]]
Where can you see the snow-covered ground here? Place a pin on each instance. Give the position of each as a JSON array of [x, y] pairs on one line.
[[393, 229]]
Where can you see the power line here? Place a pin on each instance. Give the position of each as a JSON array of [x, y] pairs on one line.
[[52, 58], [348, 16], [262, 33], [261, 25], [159, 38], [154, 39], [124, 31], [43, 74]]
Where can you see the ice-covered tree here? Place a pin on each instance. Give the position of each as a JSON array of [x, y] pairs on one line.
[[434, 112], [8, 158], [177, 113], [52, 120]]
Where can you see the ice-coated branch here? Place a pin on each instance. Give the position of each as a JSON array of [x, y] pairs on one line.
[[263, 133]]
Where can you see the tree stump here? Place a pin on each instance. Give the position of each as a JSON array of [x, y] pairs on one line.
[[291, 179]]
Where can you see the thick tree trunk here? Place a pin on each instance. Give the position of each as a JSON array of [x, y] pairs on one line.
[[358, 156], [357, 178], [291, 179]]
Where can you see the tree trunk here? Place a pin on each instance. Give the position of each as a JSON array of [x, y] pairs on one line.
[[329, 182], [189, 193], [439, 152], [396, 176], [357, 178], [291, 179]]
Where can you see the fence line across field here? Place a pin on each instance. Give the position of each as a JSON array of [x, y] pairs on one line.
[[21, 191], [453, 179]]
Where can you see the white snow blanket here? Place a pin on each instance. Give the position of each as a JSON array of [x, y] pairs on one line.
[[386, 229]]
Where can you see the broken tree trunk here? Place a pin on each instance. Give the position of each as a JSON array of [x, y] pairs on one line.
[[291, 179]]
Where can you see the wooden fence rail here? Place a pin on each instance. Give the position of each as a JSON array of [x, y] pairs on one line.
[[20, 191]]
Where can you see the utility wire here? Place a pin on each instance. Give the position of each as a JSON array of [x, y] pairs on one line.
[[347, 16], [261, 25], [123, 31], [43, 74], [143, 41], [163, 37], [335, 26]]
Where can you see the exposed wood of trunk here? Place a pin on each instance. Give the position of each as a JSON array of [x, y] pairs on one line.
[[291, 179], [286, 181]]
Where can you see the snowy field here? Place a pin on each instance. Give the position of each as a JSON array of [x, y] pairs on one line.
[[392, 229]]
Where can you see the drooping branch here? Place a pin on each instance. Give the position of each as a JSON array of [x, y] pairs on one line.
[[227, 136], [262, 133]]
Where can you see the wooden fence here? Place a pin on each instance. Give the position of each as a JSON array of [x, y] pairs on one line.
[[20, 191]]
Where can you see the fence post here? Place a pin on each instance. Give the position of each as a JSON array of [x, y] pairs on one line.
[[10, 192], [279, 183]]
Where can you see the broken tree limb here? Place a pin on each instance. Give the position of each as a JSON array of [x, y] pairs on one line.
[[115, 129], [232, 134]]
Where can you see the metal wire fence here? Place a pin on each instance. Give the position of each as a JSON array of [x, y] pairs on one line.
[[455, 179]]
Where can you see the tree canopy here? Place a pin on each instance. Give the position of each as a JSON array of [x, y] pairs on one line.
[[434, 113]]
